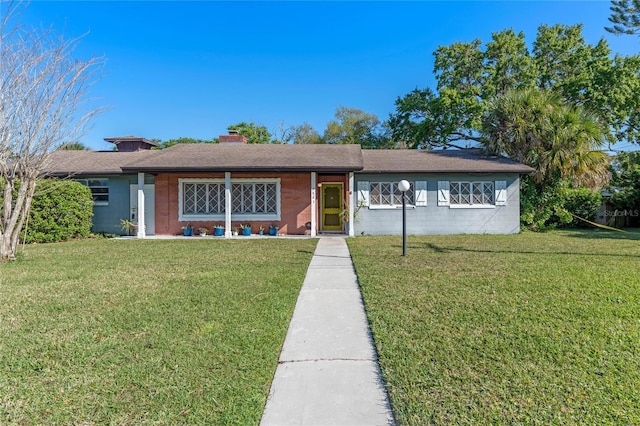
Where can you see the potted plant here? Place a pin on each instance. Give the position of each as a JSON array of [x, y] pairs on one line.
[[246, 229], [127, 226], [273, 229], [203, 231], [218, 230], [261, 230], [344, 214], [234, 231], [187, 230]]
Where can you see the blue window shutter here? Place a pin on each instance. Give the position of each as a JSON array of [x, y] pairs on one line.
[[501, 193], [421, 193], [443, 193], [363, 193]]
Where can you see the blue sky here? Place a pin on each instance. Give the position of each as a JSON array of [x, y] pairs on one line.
[[193, 68]]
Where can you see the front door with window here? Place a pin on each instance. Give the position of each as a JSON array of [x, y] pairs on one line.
[[332, 207]]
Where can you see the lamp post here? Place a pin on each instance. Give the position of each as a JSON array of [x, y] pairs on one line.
[[404, 186]]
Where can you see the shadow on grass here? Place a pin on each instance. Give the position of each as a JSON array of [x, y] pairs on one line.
[[595, 234], [442, 249], [632, 234], [305, 251]]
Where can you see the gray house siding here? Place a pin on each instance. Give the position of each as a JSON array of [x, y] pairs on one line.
[[434, 219], [106, 218]]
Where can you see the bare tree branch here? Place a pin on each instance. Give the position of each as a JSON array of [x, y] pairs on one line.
[[43, 104]]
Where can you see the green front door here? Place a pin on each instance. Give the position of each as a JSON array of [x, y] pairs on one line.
[[332, 207]]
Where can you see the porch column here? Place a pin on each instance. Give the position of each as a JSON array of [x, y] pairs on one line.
[[352, 200], [313, 204], [227, 204], [141, 224]]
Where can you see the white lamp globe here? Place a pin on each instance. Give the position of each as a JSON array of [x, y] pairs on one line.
[[403, 186]]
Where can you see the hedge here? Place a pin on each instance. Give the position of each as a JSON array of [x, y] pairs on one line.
[[60, 210], [582, 202]]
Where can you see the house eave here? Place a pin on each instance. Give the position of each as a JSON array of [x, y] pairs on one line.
[[62, 174], [237, 169], [442, 172]]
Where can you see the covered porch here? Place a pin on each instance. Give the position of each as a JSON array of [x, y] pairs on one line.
[[301, 190]]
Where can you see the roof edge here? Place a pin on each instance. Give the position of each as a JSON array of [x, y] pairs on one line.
[[238, 169]]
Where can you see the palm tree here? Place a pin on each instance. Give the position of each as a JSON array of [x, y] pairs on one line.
[[559, 141], [574, 140]]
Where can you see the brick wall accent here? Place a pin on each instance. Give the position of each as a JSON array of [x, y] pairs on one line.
[[162, 205], [295, 199]]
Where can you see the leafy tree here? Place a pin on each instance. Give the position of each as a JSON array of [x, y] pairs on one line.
[[354, 126], [469, 76], [171, 142], [625, 181], [255, 133], [305, 134], [74, 146], [552, 107], [625, 17], [350, 126], [41, 107], [424, 120]]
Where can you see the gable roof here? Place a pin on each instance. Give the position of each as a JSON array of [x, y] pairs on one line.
[[252, 157], [70, 162], [440, 161], [242, 157]]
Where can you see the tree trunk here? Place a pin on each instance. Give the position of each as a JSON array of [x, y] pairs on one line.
[[42, 105], [12, 222]]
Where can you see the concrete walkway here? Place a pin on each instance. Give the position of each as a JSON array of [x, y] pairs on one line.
[[328, 373]]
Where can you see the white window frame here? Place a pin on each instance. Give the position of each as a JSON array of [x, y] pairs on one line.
[[394, 185], [85, 182], [195, 217], [471, 205]]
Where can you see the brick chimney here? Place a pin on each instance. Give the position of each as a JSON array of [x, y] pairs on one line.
[[233, 137]]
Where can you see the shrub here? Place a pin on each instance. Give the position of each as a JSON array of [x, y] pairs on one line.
[[60, 210], [544, 207], [582, 202], [541, 207]]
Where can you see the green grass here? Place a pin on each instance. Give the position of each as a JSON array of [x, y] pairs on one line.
[[145, 332], [522, 329]]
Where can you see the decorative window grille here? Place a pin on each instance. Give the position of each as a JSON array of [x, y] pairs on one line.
[[203, 198], [388, 194], [254, 198], [471, 193]]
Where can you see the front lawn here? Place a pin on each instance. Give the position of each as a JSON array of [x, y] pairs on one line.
[[521, 329], [145, 332]]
